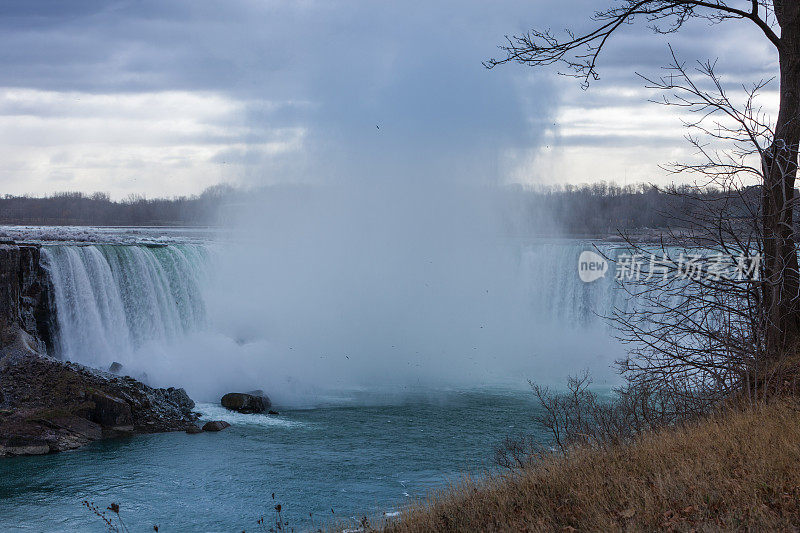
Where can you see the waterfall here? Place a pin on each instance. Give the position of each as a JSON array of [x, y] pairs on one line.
[[294, 327], [555, 291], [111, 299]]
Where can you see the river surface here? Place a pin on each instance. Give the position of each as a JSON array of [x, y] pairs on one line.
[[367, 455]]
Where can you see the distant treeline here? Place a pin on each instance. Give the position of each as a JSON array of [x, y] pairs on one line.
[[79, 209], [608, 208], [578, 210]]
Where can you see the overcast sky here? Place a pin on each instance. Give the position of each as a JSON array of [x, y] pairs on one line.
[[168, 97]]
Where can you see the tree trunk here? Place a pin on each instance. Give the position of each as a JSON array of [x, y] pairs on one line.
[[781, 289]]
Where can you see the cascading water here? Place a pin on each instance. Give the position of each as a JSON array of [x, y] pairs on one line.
[[110, 299], [555, 290], [156, 310]]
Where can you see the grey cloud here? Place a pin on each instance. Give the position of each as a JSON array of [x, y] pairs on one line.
[[380, 87]]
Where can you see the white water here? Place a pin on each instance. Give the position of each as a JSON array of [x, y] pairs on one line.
[[214, 411], [555, 291], [111, 300], [303, 329]]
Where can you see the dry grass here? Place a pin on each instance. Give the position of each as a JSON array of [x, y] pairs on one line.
[[737, 471]]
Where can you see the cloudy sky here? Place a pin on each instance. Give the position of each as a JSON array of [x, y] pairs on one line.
[[166, 98]]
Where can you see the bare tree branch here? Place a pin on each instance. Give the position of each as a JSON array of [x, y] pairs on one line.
[[579, 53]]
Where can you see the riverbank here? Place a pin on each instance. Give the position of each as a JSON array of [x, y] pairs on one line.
[[737, 471]]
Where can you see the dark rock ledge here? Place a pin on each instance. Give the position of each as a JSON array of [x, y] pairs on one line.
[[48, 406]]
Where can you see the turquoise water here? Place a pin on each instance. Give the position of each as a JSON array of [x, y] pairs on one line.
[[157, 311], [371, 455]]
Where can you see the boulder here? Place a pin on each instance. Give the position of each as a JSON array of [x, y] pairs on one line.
[[216, 425], [260, 394], [115, 368], [243, 402], [194, 430]]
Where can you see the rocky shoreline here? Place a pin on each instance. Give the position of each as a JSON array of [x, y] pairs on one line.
[[48, 405]]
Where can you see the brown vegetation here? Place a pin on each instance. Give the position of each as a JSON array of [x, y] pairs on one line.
[[732, 471]]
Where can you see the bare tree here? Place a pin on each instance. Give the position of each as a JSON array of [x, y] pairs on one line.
[[579, 416], [698, 322], [779, 21]]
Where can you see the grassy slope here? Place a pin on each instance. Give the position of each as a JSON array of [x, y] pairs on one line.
[[732, 472]]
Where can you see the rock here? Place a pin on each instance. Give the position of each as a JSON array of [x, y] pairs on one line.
[[217, 425], [80, 427], [194, 430], [181, 399], [109, 410], [10, 290], [260, 393], [31, 449], [245, 403], [115, 368], [61, 405], [271, 412], [116, 432], [25, 298]]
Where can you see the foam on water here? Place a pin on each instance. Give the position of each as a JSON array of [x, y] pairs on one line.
[[210, 411]]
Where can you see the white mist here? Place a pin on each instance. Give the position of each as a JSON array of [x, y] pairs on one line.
[[379, 287]]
